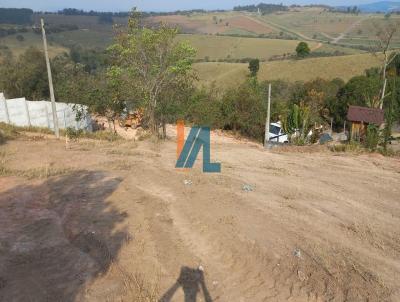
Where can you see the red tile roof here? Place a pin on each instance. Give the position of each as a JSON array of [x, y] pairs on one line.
[[366, 115]]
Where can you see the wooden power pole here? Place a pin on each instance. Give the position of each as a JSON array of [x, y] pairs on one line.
[[268, 121], [53, 102]]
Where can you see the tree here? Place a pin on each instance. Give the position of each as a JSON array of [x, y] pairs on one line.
[[244, 109], [302, 50], [390, 113], [25, 76], [150, 61], [254, 67], [298, 123], [385, 36]]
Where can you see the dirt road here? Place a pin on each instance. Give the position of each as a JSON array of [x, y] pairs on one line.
[[118, 218], [349, 29]]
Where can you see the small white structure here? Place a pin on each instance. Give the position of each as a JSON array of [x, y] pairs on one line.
[[20, 112]]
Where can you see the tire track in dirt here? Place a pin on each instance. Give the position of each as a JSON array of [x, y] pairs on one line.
[[241, 266]]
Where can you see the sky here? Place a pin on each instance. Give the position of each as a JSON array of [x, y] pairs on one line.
[[155, 5]]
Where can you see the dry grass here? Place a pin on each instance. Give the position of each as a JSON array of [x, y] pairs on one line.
[[120, 164], [220, 47], [30, 39], [231, 74], [137, 289], [42, 172]]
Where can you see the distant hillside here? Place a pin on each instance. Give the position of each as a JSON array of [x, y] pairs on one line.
[[228, 75], [383, 7]]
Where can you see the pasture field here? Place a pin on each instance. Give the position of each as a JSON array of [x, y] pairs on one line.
[[219, 23], [30, 39], [344, 67], [310, 22], [220, 47], [91, 39], [319, 24], [211, 46]]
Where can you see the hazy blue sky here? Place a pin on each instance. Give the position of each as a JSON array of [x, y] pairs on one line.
[[153, 5]]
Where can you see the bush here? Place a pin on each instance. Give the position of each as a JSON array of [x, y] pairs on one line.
[[346, 147], [20, 38], [105, 135], [7, 132], [372, 137], [2, 138]]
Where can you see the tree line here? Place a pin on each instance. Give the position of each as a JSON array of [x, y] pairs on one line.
[[21, 16], [264, 8]]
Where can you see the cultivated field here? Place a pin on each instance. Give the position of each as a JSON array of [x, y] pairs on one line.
[[117, 222]]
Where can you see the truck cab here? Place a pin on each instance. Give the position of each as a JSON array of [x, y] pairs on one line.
[[276, 133]]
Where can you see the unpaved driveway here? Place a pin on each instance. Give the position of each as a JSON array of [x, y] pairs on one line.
[[316, 226]]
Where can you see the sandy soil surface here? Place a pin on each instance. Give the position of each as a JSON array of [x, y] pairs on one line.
[[117, 222]]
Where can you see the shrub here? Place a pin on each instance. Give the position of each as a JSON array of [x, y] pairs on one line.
[[7, 132], [372, 137], [73, 134], [20, 38]]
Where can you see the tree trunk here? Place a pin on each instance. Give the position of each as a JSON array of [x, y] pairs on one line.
[[109, 124], [115, 131], [384, 83]]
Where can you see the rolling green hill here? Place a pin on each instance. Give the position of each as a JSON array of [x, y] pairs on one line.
[[231, 74]]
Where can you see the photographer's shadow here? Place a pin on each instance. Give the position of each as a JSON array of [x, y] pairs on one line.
[[192, 282]]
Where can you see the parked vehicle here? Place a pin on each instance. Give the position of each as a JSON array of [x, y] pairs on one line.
[[276, 133]]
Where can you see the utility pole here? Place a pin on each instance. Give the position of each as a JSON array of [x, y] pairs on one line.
[[53, 102], [268, 118]]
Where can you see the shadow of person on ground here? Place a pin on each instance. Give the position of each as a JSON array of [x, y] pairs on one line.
[[192, 282], [57, 235]]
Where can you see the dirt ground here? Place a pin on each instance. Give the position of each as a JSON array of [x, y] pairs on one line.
[[117, 222]]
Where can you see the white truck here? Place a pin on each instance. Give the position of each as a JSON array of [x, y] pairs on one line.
[[276, 133]]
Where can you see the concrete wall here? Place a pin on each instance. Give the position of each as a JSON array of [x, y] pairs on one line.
[[21, 112]]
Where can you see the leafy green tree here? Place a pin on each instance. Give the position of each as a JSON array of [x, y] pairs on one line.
[[151, 61], [303, 50], [244, 109], [254, 67], [25, 76], [372, 137]]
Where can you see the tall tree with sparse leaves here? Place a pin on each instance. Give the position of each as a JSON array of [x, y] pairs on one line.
[[150, 60]]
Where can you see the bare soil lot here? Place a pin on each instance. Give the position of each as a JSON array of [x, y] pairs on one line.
[[117, 222]]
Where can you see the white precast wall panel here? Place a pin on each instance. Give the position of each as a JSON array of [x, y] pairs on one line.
[[21, 112]]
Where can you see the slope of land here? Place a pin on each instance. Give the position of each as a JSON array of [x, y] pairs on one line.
[[221, 47], [344, 67], [17, 47], [225, 47], [213, 23], [116, 217]]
